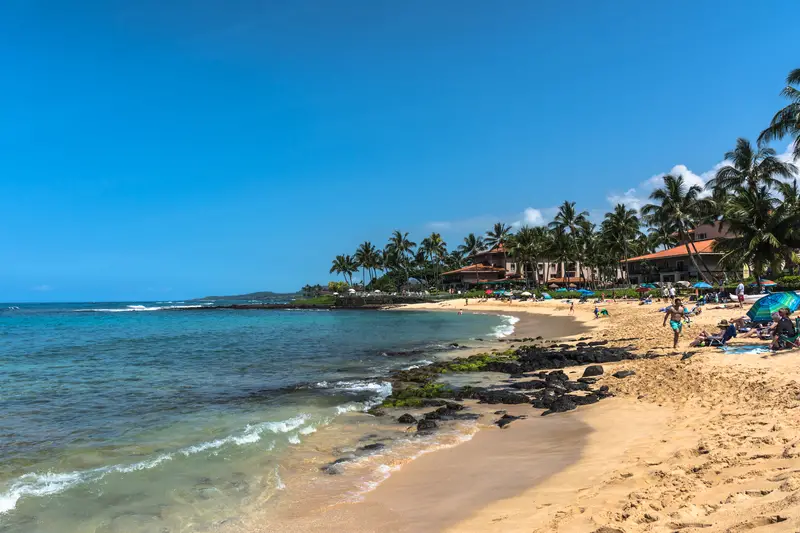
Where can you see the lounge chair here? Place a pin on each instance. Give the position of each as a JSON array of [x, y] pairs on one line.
[[793, 341]]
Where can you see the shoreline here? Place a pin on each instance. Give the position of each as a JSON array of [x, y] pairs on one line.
[[550, 445]]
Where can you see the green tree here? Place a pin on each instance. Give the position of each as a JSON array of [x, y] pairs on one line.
[[787, 120], [367, 258], [679, 207], [530, 245], [569, 222], [471, 247], [621, 227], [496, 235], [748, 168], [435, 250], [762, 232]]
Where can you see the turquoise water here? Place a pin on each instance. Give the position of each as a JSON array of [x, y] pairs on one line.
[[143, 417]]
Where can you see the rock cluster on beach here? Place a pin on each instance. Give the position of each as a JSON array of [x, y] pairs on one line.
[[536, 377]]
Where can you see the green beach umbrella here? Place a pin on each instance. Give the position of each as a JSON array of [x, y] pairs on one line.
[[763, 309]]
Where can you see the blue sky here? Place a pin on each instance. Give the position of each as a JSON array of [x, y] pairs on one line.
[[151, 152]]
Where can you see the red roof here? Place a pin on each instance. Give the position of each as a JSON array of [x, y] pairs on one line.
[[479, 268], [499, 249], [703, 247]]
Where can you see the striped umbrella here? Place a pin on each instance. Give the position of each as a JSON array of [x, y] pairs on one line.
[[763, 309]]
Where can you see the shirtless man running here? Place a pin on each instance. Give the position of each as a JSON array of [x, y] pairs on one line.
[[675, 315]]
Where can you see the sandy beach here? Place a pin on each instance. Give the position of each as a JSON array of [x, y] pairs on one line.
[[709, 442]]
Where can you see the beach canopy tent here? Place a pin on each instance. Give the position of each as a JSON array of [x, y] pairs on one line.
[[762, 309], [649, 285], [526, 293], [586, 292], [561, 290], [702, 285], [546, 296]]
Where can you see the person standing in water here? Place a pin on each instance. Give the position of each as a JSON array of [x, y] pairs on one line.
[[675, 313]]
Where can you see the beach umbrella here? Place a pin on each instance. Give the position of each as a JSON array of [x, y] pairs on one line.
[[351, 291], [684, 284], [526, 293], [762, 309], [768, 283], [377, 291], [648, 285], [489, 291], [642, 289], [702, 285], [553, 286], [572, 286]]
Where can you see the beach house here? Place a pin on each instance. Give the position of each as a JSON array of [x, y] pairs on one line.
[[497, 265], [675, 264]]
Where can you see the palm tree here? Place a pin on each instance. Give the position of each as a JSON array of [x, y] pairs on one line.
[[561, 249], [763, 229], [338, 266], [749, 168], [620, 228], [496, 235], [529, 245], [400, 245], [367, 258], [470, 248], [569, 222], [350, 267], [787, 120], [681, 208], [435, 249]]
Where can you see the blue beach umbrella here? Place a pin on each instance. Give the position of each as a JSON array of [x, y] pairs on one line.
[[649, 285], [763, 309], [702, 285], [561, 290]]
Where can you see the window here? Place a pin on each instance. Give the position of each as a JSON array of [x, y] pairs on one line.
[[678, 265], [512, 267]]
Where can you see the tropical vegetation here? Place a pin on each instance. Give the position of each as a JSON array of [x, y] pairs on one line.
[[753, 196]]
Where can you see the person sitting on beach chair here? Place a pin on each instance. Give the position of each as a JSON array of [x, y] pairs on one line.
[[600, 312], [786, 333], [728, 331]]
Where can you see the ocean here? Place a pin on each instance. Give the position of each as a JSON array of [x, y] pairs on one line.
[[162, 417]]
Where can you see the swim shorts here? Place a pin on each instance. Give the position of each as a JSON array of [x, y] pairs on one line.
[[676, 324]]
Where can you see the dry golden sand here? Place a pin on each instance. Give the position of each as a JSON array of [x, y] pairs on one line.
[[720, 450]]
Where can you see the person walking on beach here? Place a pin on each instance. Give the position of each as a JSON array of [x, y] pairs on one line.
[[675, 313], [672, 293], [740, 294], [572, 308]]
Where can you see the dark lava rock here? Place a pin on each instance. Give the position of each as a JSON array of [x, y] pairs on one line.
[[556, 375], [588, 381], [370, 448], [560, 405], [603, 392], [443, 413], [593, 370], [623, 374], [501, 412], [335, 467], [426, 425], [583, 400], [598, 343], [453, 345], [453, 406], [507, 419], [530, 385], [506, 397], [576, 385], [376, 411], [407, 419]]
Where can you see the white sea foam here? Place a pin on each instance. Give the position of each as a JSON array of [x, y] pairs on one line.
[[279, 484], [137, 308], [294, 439], [506, 328], [34, 484], [308, 430]]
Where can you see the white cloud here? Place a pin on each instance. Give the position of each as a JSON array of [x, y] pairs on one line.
[[42, 288], [533, 217], [629, 198]]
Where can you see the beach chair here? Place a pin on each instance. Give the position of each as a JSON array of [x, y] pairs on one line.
[[793, 341]]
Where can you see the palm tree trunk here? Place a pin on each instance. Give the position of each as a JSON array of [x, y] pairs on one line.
[[694, 262], [627, 265], [708, 270]]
